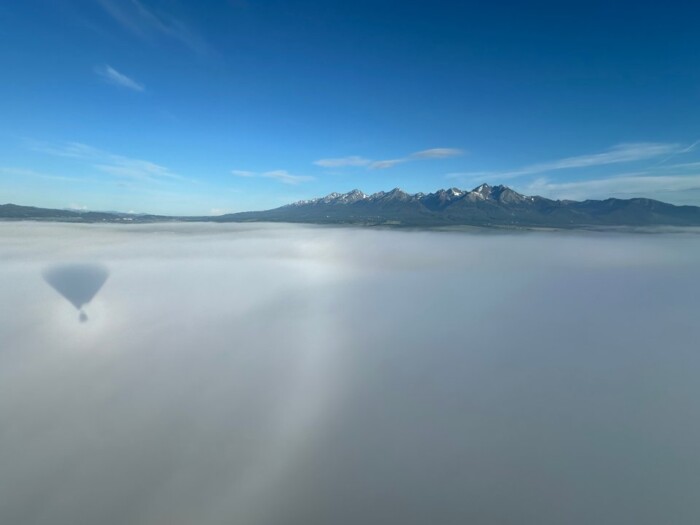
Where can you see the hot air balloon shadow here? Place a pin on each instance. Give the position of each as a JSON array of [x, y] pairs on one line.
[[78, 283]]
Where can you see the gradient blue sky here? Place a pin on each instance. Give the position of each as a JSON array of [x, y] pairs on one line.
[[217, 106]]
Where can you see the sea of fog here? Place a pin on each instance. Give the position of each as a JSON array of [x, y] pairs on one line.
[[284, 375]]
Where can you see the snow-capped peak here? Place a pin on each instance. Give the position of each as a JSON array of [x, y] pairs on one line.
[[482, 192]]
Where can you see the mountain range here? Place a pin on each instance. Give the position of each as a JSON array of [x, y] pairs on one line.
[[497, 206], [489, 206]]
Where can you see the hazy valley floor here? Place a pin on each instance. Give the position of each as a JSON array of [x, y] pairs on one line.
[[278, 374]]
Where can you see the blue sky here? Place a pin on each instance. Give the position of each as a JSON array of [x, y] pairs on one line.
[[217, 106]]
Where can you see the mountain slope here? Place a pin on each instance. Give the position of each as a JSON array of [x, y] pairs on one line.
[[15, 212], [483, 206]]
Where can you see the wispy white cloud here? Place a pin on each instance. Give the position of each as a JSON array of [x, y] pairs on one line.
[[343, 162], [135, 169], [148, 23], [426, 154], [385, 164], [357, 161], [625, 185], [114, 77], [286, 177], [615, 155], [21, 172], [687, 149], [437, 153], [681, 166], [106, 162], [621, 153], [282, 176]]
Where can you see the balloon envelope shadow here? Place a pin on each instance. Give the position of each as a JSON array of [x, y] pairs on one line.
[[78, 283]]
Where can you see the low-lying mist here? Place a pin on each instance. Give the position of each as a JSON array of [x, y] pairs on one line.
[[276, 374]]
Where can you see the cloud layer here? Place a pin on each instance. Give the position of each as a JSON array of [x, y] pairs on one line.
[[258, 374]]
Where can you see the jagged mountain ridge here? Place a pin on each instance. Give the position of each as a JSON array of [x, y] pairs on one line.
[[439, 199], [485, 205], [490, 206]]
